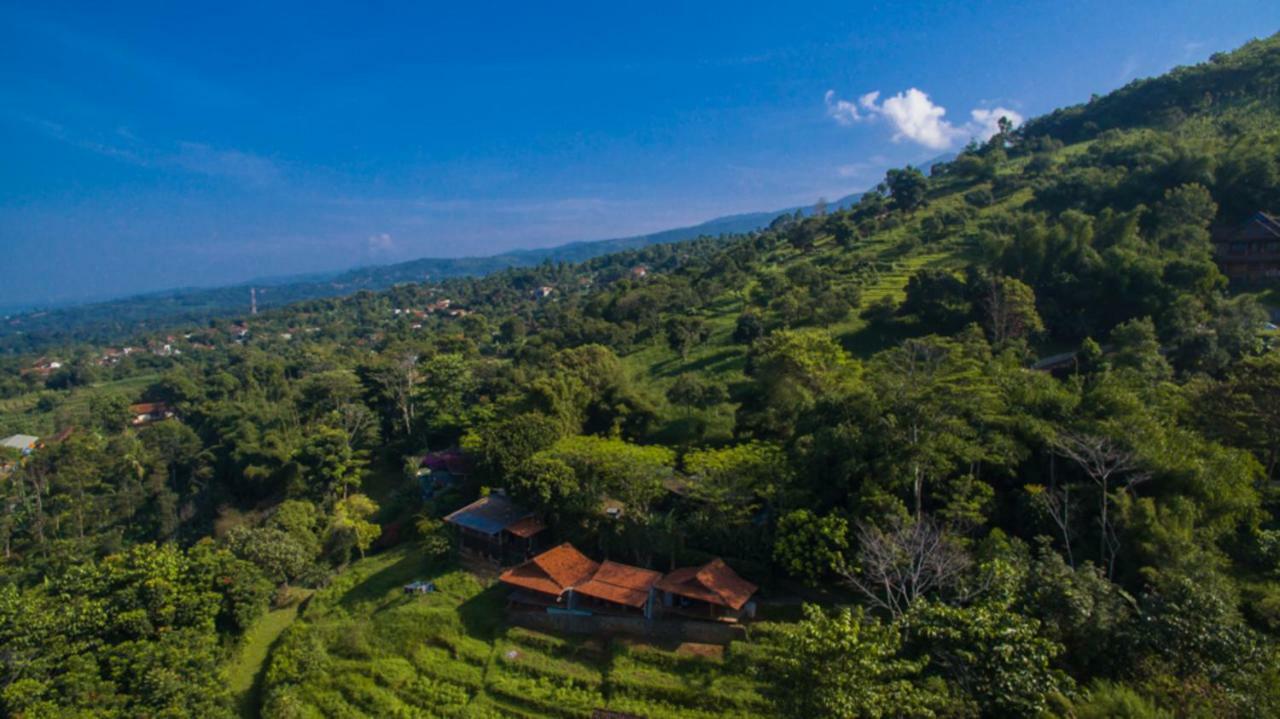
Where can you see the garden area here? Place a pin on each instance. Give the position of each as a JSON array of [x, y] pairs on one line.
[[362, 647]]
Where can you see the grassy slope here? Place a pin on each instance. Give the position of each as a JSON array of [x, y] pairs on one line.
[[451, 654], [21, 414], [656, 366], [244, 673]]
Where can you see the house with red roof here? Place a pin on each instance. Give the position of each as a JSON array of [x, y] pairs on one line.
[[563, 578], [620, 589], [548, 579], [712, 591], [145, 413]]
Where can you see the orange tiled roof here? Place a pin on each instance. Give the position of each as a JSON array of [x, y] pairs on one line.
[[714, 582], [552, 572], [620, 584], [148, 407]]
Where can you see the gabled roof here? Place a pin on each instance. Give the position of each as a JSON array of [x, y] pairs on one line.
[[552, 572], [1259, 226], [489, 515], [149, 407], [19, 441], [620, 584], [714, 582], [1267, 221]]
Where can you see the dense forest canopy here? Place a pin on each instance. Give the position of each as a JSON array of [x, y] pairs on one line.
[[850, 407]]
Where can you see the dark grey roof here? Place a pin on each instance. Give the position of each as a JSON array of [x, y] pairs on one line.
[[489, 515]]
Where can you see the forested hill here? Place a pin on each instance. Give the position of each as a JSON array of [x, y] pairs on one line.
[[117, 320], [844, 407], [1246, 78]]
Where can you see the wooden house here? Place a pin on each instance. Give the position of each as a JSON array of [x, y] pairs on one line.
[[145, 413], [497, 529], [713, 591], [548, 579], [1251, 251]]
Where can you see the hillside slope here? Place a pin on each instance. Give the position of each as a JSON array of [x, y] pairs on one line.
[[114, 320]]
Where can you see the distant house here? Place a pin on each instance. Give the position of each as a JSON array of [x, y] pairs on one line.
[[639, 272], [43, 367], [497, 529], [149, 412], [712, 591], [1251, 251], [548, 579], [24, 443], [543, 291]]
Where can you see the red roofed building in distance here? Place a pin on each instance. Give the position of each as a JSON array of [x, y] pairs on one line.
[[148, 412]]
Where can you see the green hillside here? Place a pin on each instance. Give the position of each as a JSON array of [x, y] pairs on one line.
[[848, 408]]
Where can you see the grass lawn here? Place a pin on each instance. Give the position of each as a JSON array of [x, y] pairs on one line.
[[245, 673], [364, 649]]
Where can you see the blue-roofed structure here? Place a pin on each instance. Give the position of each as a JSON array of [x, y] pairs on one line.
[[495, 528]]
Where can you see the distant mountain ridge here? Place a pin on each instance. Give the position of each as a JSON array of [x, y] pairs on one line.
[[109, 320]]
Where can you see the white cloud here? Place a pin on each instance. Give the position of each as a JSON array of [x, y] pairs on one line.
[[917, 118], [842, 111], [987, 122], [381, 242]]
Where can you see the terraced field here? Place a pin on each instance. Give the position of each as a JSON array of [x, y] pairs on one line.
[[363, 649], [26, 415]]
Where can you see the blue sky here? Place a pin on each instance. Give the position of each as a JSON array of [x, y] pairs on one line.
[[149, 146]]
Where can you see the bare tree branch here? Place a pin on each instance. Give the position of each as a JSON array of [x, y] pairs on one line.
[[910, 559], [1106, 462]]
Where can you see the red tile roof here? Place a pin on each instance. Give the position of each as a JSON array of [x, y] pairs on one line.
[[149, 408], [551, 572], [714, 582], [620, 584]]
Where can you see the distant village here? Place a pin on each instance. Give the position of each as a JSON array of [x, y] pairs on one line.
[[14, 449]]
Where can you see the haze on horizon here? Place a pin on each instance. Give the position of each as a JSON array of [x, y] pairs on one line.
[[163, 145]]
